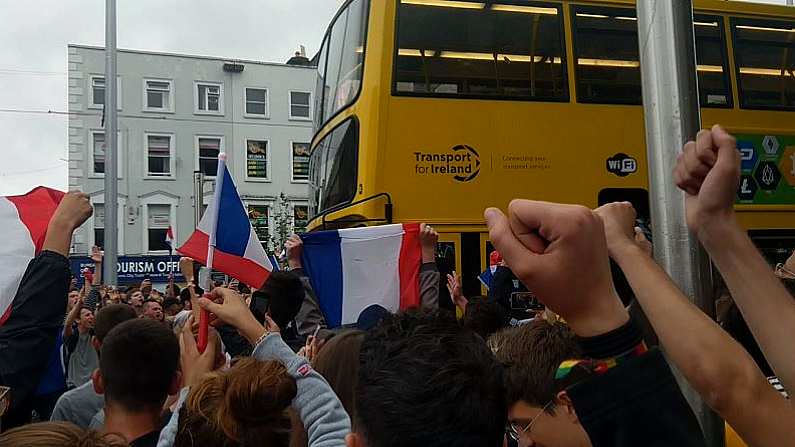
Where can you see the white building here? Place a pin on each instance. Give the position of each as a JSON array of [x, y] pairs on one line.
[[176, 112]]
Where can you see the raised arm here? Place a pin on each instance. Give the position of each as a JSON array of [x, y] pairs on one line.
[[714, 364], [429, 272], [309, 317], [709, 173]]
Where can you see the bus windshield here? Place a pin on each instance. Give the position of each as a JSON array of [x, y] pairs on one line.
[[341, 61]]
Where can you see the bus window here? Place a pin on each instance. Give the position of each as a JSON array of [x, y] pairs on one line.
[[321, 81], [345, 62], [764, 51], [333, 167], [507, 49], [713, 73], [608, 66]]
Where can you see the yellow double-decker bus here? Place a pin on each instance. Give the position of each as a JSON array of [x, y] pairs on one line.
[[432, 110]]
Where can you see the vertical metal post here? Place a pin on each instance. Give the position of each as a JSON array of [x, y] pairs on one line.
[[671, 107], [198, 197], [111, 147]]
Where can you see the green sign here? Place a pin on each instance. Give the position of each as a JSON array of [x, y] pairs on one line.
[[768, 169]]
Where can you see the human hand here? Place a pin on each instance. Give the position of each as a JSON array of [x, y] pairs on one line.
[[545, 245], [311, 348], [194, 364], [708, 171], [295, 248], [456, 294], [96, 255], [74, 209], [428, 239], [186, 267], [233, 311], [618, 219]]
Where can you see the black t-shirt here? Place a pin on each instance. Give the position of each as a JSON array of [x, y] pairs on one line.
[[147, 440]]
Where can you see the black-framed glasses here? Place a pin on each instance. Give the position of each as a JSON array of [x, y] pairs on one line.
[[516, 432]]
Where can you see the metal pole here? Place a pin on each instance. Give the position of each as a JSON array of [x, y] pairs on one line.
[[670, 100], [111, 147], [198, 197], [790, 2]]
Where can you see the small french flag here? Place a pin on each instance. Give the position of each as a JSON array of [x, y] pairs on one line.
[[24, 220], [170, 238], [353, 269], [225, 240]]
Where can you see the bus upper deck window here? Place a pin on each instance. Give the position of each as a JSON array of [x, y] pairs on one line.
[[764, 51], [606, 55], [511, 49], [713, 73]]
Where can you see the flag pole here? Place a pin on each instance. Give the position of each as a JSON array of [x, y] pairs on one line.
[[204, 316]]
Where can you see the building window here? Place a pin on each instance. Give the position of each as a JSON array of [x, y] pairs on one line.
[[300, 107], [257, 159], [209, 98], [300, 218], [157, 95], [208, 149], [98, 147], [300, 156], [99, 225], [159, 155], [158, 221], [259, 216], [257, 102], [98, 92]]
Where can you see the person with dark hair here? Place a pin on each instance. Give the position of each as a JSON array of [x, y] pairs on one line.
[[484, 316], [82, 357], [171, 307], [28, 336], [539, 413], [425, 381], [338, 363], [136, 299], [138, 370], [153, 310], [61, 434], [81, 404]]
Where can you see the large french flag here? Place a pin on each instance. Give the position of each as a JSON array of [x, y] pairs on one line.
[[24, 220], [237, 250], [353, 269]]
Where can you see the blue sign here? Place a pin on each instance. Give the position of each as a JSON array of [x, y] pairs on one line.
[[748, 155], [134, 269]]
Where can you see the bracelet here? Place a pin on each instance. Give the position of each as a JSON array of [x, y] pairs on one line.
[[262, 337]]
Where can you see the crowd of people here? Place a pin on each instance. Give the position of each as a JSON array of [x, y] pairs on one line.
[[100, 366]]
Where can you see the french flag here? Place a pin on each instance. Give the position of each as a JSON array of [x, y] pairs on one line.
[[225, 227], [24, 220], [353, 269], [170, 238]]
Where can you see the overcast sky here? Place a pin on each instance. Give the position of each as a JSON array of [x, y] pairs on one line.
[[34, 35]]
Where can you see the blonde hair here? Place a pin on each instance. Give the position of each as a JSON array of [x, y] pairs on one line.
[[62, 434]]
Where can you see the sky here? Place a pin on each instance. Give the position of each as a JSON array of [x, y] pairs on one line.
[[33, 63], [33, 54]]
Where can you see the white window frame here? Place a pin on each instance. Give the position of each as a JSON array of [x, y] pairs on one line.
[[172, 158], [221, 148], [171, 97], [90, 90], [220, 86], [158, 199], [244, 157], [267, 114], [119, 153], [292, 171], [268, 204], [121, 209], [290, 106]]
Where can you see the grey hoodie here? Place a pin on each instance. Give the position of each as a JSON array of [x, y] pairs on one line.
[[320, 410]]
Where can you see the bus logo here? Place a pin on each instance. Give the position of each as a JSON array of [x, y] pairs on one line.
[[622, 165], [462, 162]]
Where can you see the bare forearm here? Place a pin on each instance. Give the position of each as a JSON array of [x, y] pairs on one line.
[[759, 295], [713, 363], [59, 237], [97, 274]]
